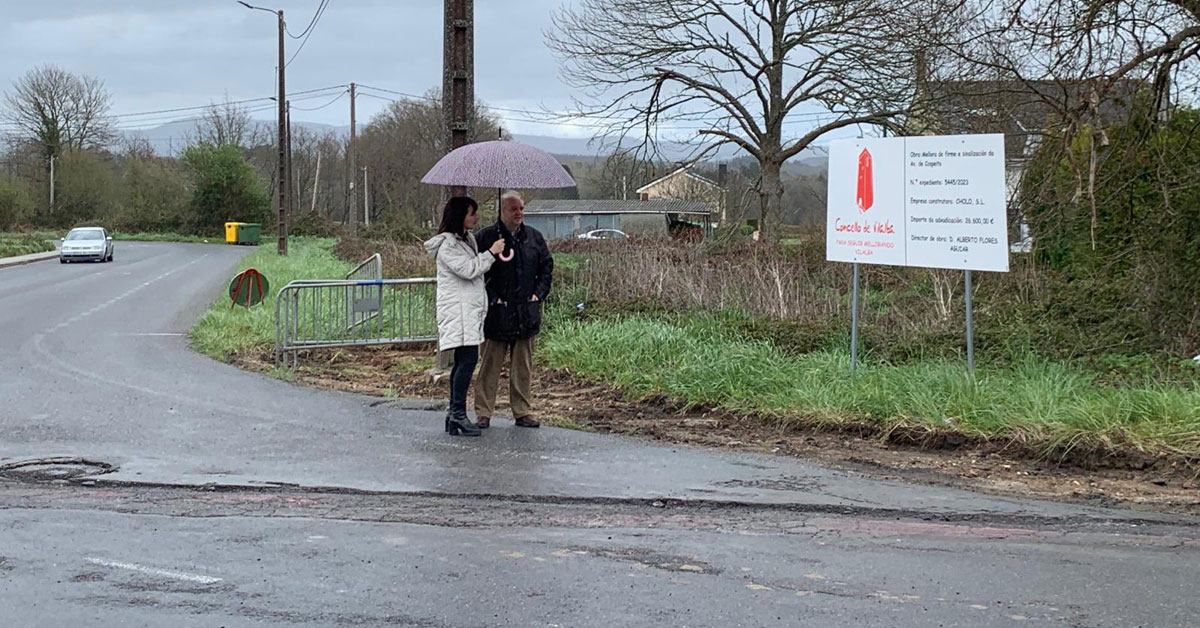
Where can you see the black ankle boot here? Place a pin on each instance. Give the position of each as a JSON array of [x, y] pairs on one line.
[[457, 423]]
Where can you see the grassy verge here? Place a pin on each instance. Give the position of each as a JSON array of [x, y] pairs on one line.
[[223, 331], [166, 237], [13, 244], [701, 360]]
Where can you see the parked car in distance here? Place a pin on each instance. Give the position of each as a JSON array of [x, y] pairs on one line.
[[86, 243], [603, 234]]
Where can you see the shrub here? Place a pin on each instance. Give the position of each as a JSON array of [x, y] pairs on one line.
[[16, 203], [224, 188], [1131, 259]]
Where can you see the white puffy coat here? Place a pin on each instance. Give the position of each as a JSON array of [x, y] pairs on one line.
[[461, 298]]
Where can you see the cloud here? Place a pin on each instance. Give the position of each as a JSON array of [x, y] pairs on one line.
[[161, 54]]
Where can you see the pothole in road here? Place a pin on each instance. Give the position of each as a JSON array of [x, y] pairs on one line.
[[648, 558], [53, 469]]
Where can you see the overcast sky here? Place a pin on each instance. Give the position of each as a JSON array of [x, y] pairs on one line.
[[163, 54]]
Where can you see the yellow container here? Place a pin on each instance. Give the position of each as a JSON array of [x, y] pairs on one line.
[[231, 232]]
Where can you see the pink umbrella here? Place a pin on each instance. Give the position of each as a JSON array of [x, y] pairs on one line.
[[499, 164]]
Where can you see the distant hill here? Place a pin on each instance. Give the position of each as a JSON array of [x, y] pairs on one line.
[[170, 138]]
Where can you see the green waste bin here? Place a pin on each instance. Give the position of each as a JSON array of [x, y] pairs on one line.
[[249, 233]]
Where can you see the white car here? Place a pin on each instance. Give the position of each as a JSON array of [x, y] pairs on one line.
[[86, 243], [603, 234]]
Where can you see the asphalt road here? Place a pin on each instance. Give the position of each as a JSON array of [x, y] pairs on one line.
[[243, 500]]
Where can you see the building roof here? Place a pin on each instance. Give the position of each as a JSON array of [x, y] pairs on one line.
[[604, 206], [687, 170], [1023, 111]]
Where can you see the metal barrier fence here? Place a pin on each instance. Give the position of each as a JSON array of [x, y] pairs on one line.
[[370, 269], [313, 314]]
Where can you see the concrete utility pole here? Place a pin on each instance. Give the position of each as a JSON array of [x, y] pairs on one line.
[[282, 123], [291, 183], [51, 182], [458, 75], [352, 211], [366, 200], [458, 99], [316, 181], [283, 178]]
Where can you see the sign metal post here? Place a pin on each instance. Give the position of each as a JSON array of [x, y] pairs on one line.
[[932, 201], [854, 322], [970, 331]]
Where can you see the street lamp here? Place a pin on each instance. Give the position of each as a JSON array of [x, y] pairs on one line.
[[283, 198]]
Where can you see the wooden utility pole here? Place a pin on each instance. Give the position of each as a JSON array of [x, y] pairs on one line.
[[352, 211], [283, 138]]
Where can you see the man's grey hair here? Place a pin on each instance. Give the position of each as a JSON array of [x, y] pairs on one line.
[[510, 196]]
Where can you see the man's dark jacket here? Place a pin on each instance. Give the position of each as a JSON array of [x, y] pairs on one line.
[[511, 316]]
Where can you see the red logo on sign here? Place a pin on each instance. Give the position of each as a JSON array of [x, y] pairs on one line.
[[866, 185]]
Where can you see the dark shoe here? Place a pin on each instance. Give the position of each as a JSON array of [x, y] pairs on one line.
[[528, 421], [483, 422], [448, 422], [460, 424]]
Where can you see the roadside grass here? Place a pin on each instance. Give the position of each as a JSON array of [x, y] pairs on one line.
[[14, 244], [702, 360], [223, 331], [718, 359], [166, 237]]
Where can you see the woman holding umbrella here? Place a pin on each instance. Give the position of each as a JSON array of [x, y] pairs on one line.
[[461, 301]]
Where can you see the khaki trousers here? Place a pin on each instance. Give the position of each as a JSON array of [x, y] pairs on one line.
[[520, 377]]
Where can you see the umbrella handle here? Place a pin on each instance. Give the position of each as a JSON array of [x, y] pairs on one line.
[[510, 254]]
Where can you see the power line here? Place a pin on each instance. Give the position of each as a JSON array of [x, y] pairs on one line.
[[171, 116], [146, 113], [533, 117], [311, 23], [308, 31], [233, 102], [335, 99], [154, 124]]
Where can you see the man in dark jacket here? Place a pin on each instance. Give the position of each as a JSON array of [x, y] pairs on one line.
[[517, 286]]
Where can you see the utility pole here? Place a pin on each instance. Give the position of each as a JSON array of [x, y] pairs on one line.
[[458, 99], [458, 75], [366, 200], [283, 175], [283, 178], [51, 183], [316, 182], [352, 211], [291, 182]]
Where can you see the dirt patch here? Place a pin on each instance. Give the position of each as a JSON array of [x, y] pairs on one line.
[[1112, 478]]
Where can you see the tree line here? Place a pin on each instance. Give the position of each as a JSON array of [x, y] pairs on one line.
[[59, 127]]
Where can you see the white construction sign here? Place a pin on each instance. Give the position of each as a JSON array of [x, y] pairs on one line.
[[934, 201]]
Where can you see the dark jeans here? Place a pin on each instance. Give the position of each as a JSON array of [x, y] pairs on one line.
[[460, 377]]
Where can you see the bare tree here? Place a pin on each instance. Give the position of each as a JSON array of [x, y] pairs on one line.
[[401, 144], [1096, 43], [1068, 68], [59, 111], [228, 124], [768, 76], [619, 176]]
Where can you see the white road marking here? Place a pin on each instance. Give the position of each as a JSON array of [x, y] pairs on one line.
[[77, 318], [176, 575]]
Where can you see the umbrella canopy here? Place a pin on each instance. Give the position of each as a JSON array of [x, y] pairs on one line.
[[499, 164]]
